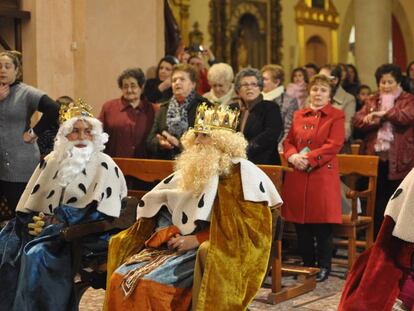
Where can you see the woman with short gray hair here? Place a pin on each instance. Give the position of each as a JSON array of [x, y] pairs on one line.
[[249, 72], [220, 77], [260, 121]]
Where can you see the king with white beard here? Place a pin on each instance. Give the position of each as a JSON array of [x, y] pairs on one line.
[[76, 183]]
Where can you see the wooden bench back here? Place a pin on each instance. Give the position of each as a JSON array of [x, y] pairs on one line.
[[156, 170], [356, 166], [144, 169]]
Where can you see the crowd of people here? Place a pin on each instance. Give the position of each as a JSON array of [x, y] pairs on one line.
[[309, 119]]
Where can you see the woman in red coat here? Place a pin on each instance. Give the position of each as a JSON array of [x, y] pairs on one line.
[[387, 121], [311, 192]]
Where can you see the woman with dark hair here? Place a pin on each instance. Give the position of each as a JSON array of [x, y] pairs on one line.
[[19, 153], [352, 82], [297, 88], [260, 121], [408, 84], [175, 116], [128, 119], [158, 90], [387, 120]]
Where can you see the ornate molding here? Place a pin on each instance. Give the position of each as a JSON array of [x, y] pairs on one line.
[[307, 15]]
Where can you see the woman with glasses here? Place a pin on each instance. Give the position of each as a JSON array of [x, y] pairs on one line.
[[220, 77], [128, 120], [260, 121]]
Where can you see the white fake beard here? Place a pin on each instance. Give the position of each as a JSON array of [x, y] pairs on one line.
[[74, 160]]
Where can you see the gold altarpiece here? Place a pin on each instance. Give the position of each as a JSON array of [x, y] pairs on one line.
[[317, 23], [246, 33]]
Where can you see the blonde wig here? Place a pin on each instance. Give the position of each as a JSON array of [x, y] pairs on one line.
[[200, 162]]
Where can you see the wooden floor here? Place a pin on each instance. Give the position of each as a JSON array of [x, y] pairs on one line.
[[325, 297]]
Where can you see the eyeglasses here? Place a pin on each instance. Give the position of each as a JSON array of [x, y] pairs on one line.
[[132, 86], [247, 85]]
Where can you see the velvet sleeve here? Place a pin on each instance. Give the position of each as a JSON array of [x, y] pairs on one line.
[[50, 110], [358, 120], [203, 235], [401, 115]]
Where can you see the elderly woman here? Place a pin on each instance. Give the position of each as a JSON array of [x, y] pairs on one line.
[[387, 120], [260, 121], [128, 120], [273, 78], [220, 77], [19, 153], [312, 191], [176, 115], [159, 90]]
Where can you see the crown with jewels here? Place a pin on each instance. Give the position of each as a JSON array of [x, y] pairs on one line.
[[78, 108], [215, 117]]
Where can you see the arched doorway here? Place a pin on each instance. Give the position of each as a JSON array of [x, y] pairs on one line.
[[316, 51], [399, 54], [247, 48]]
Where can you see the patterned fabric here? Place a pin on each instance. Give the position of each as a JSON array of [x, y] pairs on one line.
[[101, 181], [177, 120], [155, 258], [160, 277], [187, 209]]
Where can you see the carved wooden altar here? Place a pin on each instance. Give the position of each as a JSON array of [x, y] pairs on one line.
[[246, 33]]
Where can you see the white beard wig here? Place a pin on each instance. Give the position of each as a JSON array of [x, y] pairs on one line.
[[73, 160]]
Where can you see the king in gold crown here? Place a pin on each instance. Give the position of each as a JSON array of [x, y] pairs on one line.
[[215, 117], [76, 109]]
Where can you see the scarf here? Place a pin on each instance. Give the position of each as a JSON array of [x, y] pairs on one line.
[[177, 115], [273, 94], [385, 134], [226, 99]]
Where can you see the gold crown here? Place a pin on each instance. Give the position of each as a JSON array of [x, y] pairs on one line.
[[77, 108], [215, 117]]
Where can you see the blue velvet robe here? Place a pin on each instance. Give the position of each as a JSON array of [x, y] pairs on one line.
[[36, 272]]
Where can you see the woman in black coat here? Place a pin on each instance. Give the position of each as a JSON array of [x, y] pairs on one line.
[[260, 121]]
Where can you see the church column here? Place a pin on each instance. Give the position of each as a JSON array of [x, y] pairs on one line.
[[372, 37]]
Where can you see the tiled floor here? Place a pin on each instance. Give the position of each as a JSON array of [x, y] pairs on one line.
[[325, 297]]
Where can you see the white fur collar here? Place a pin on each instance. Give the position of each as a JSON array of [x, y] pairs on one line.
[[186, 209], [401, 209]]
